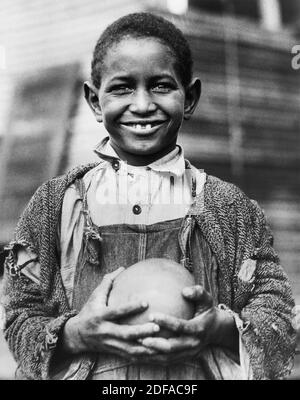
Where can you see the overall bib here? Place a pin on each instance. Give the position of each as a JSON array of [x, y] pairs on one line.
[[105, 249]]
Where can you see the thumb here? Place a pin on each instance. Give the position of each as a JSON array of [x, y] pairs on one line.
[[198, 295], [102, 291]]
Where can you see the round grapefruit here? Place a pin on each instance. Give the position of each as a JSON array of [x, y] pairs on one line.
[[158, 281]]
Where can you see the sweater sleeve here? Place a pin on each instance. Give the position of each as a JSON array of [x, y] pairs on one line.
[[267, 312], [32, 327], [33, 318]]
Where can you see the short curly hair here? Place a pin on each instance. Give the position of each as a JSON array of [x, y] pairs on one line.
[[144, 25]]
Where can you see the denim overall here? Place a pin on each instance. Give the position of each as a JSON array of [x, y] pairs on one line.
[[104, 249]]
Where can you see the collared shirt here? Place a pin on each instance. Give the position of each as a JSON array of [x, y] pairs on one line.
[[143, 195]]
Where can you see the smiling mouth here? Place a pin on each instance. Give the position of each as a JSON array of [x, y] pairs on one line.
[[147, 127]]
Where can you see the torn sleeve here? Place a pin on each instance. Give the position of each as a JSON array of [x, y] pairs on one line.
[[245, 369], [31, 326]]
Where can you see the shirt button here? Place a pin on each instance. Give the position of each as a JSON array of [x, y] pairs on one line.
[[116, 165], [136, 209]]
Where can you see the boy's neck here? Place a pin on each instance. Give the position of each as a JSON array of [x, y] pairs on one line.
[[142, 160]]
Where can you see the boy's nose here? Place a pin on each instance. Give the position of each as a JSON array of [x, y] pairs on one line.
[[142, 103]]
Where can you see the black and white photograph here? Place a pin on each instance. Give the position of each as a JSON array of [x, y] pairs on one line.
[[149, 192]]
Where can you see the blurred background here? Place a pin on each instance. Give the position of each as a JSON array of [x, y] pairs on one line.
[[245, 129]]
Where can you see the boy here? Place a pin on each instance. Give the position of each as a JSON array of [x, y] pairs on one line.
[[80, 230]]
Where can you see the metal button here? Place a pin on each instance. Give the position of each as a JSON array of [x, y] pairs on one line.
[[136, 209], [116, 165]]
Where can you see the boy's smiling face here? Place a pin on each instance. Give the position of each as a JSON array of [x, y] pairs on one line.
[[141, 100]]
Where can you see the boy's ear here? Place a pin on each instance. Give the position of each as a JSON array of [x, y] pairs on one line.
[[192, 96], [91, 96]]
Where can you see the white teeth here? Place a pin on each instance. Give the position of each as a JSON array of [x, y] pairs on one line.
[[140, 127]]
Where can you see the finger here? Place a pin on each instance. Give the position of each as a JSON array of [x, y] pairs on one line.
[[198, 295], [129, 332], [192, 327], [168, 359], [169, 322], [134, 307], [128, 349], [171, 345], [115, 273], [159, 344], [184, 343], [102, 291]]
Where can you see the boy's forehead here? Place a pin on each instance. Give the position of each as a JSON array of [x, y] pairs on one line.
[[140, 55]]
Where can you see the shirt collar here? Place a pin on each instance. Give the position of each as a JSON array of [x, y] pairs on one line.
[[173, 162]]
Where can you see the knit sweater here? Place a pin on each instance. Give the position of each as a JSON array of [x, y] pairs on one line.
[[251, 281]]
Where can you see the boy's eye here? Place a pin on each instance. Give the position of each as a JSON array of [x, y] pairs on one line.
[[162, 88], [121, 89]]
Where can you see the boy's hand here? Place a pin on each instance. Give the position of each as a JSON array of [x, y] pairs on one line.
[[95, 328], [209, 326]]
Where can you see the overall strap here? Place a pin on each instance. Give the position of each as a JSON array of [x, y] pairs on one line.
[[194, 182], [188, 225], [90, 230]]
